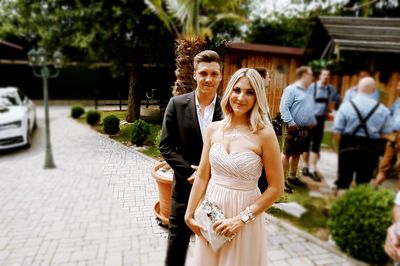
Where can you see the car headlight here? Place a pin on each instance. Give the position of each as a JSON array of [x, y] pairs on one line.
[[15, 124]]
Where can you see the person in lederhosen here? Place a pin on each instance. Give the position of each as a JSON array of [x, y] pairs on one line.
[[323, 93], [359, 126]]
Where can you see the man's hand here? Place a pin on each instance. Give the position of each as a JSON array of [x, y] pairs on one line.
[[191, 178], [293, 129], [392, 247]]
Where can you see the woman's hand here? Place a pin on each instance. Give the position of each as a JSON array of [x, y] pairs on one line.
[[228, 227], [392, 244], [194, 225]]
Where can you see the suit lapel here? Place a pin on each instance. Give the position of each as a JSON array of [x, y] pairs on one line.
[[191, 105], [218, 114]]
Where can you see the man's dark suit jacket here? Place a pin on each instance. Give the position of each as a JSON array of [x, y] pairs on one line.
[[181, 143]]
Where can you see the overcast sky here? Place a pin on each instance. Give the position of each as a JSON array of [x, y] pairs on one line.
[[265, 8]]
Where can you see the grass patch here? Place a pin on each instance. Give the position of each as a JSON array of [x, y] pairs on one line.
[[327, 141], [124, 135], [314, 219]]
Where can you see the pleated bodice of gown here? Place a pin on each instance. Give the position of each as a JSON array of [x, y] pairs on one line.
[[233, 187], [236, 170]]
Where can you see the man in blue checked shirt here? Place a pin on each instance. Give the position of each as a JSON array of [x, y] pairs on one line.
[[323, 93], [297, 112], [392, 149], [396, 104], [359, 126]]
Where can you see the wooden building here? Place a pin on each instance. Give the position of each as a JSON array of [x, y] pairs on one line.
[[9, 51], [280, 61], [363, 44]]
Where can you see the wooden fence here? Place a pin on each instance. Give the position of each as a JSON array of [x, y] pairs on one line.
[[387, 90], [281, 62]]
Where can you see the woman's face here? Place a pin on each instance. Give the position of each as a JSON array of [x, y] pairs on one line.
[[242, 97]]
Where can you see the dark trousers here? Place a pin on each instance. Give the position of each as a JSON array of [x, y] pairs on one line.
[[317, 133], [179, 232], [356, 156]]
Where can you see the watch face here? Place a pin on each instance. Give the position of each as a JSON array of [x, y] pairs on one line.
[[245, 217]]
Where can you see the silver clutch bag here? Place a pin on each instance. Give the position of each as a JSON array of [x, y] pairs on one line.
[[206, 215]]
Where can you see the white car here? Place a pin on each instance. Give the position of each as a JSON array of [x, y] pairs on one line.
[[17, 118]]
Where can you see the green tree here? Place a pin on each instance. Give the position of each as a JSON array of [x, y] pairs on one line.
[[120, 32], [366, 8], [284, 31]]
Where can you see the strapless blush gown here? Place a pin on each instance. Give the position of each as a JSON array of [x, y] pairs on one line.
[[233, 187]]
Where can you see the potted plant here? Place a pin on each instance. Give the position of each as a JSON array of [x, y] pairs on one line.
[[163, 176]]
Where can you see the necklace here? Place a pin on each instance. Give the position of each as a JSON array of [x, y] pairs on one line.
[[236, 132]]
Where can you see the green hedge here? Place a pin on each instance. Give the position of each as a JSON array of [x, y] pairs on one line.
[[140, 130], [359, 220], [77, 111], [92, 117], [111, 125]]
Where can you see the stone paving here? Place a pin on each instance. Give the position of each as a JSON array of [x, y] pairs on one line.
[[95, 208]]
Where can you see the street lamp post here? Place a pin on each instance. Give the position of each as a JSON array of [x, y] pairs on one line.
[[41, 68]]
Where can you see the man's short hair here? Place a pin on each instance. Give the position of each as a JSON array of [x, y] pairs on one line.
[[364, 73], [262, 71], [207, 56], [325, 69], [302, 70]]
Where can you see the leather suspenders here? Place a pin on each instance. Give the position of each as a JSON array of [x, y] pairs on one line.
[[320, 99], [363, 120]]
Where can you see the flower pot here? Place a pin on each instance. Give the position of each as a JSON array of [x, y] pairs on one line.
[[164, 184]]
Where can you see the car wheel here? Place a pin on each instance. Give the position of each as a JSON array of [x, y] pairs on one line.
[[34, 124], [28, 138]]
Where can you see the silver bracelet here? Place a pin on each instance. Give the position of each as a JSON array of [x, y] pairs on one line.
[[250, 213]]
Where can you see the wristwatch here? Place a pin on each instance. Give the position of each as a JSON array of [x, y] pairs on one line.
[[244, 217], [250, 213]]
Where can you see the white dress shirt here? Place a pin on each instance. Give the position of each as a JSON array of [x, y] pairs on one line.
[[397, 199], [205, 116]]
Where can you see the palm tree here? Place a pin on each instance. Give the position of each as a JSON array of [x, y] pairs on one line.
[[183, 18]]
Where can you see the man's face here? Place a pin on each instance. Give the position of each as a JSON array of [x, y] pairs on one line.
[[207, 76], [324, 76]]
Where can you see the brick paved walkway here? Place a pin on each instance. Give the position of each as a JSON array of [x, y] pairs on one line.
[[95, 208]]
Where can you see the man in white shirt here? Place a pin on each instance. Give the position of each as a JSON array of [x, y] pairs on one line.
[[184, 127]]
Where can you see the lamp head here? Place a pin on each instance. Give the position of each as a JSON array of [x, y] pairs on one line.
[[32, 57], [41, 53], [58, 59]]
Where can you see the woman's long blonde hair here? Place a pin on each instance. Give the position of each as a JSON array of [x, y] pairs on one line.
[[259, 114]]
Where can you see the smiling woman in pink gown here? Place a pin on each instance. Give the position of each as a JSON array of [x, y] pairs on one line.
[[234, 153]]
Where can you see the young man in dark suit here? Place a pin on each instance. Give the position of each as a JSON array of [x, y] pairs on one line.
[[185, 124]]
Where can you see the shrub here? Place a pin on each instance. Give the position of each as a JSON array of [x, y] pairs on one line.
[[92, 117], [111, 125], [140, 131], [77, 111], [359, 220], [157, 139]]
